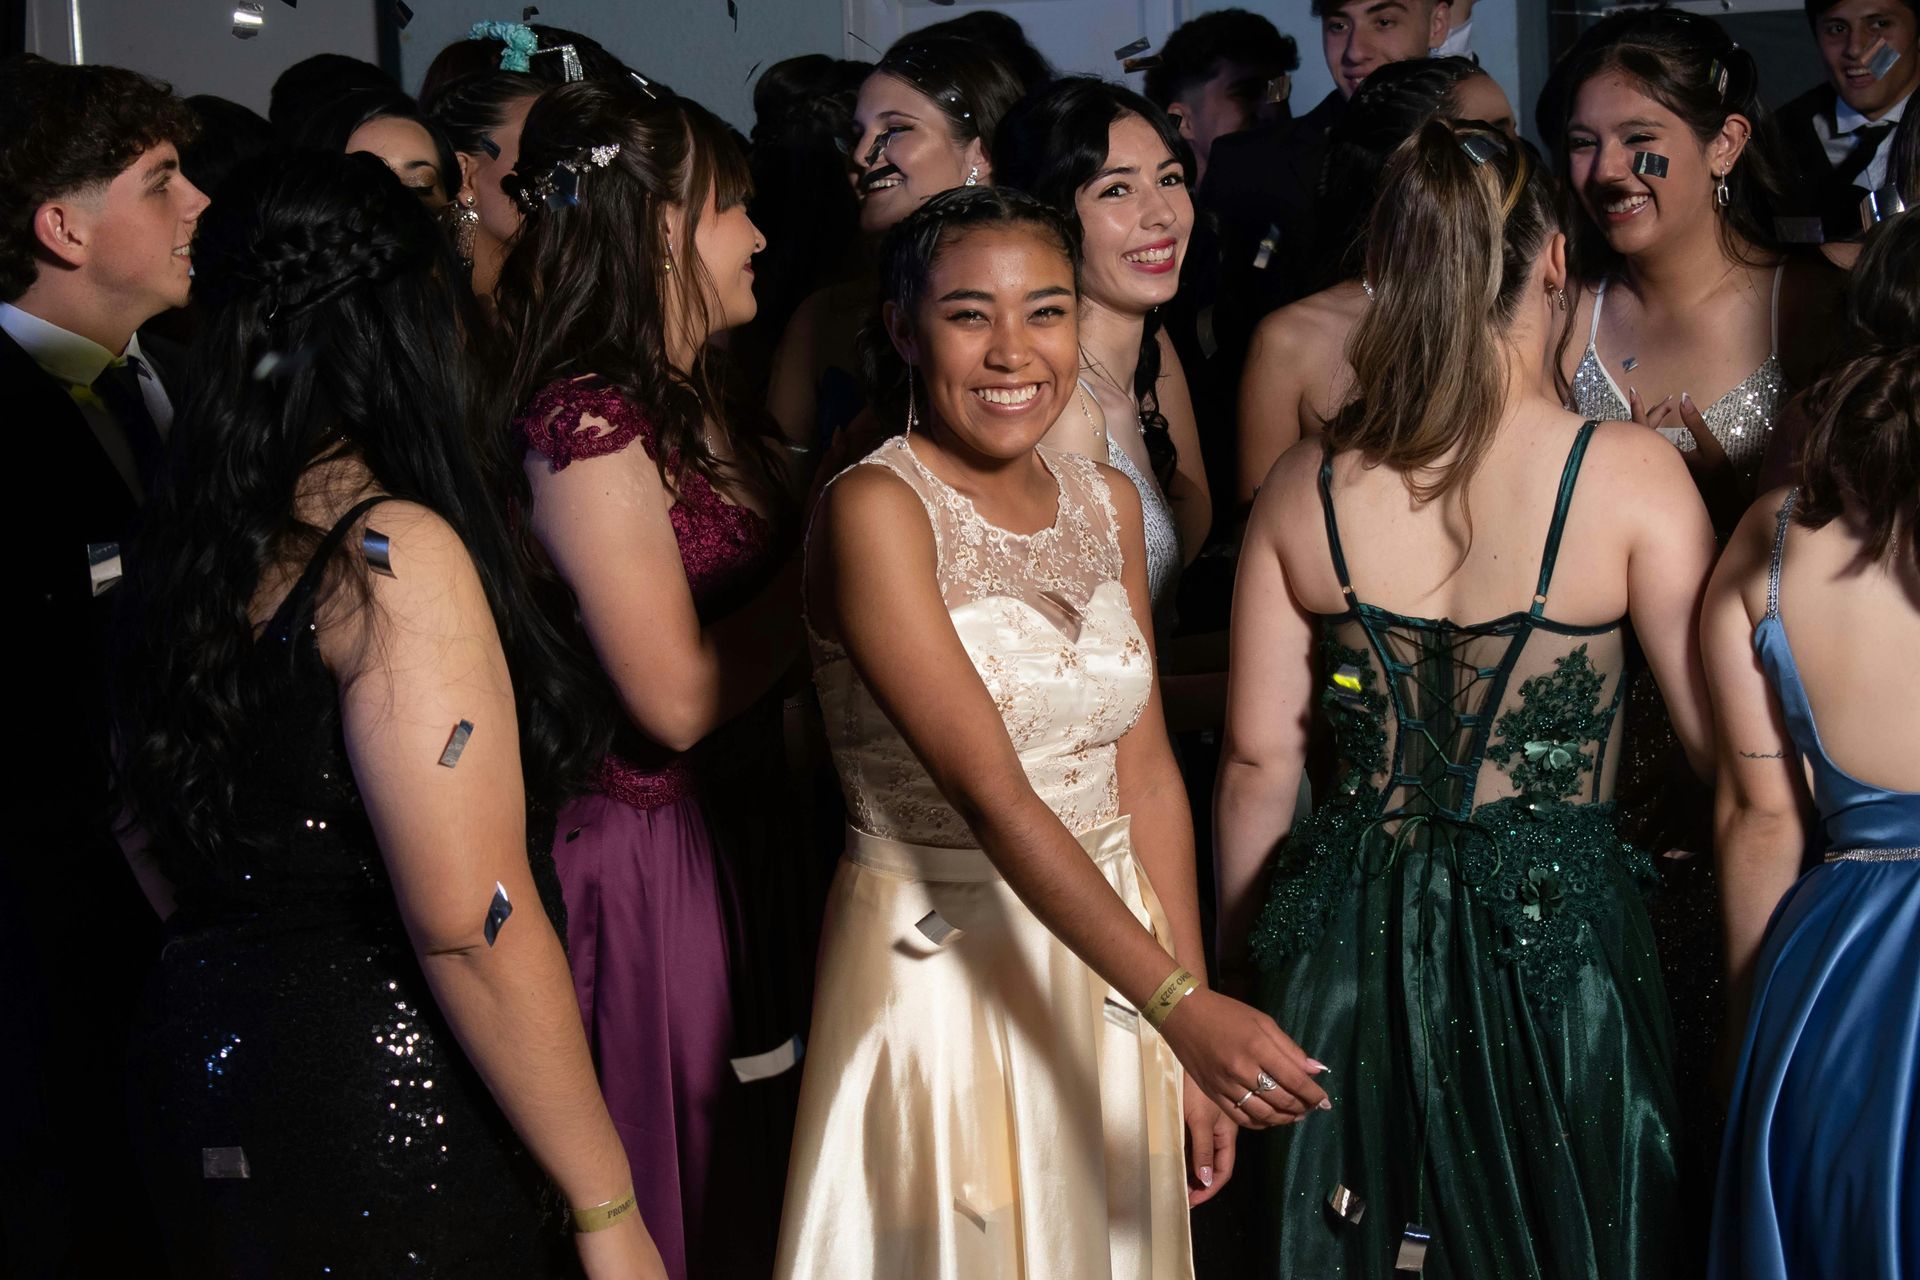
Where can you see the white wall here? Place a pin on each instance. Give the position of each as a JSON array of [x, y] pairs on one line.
[[190, 43]]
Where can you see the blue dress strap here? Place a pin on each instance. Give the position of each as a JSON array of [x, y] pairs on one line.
[[1333, 525], [1562, 503]]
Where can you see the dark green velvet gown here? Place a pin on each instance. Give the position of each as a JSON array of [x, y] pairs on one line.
[[1459, 934]]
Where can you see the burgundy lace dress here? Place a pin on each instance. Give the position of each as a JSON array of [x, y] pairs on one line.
[[653, 909]]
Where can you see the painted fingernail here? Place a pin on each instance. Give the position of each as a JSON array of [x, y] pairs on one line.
[[1206, 1175], [1686, 399], [1326, 1104], [1316, 1066]]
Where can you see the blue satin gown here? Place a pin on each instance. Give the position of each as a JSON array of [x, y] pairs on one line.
[[1820, 1174]]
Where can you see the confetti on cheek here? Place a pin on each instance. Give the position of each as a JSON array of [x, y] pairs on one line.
[[497, 911], [1649, 164], [1883, 59], [456, 744]]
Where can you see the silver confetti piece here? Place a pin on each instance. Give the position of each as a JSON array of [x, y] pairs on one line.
[[224, 1162], [937, 929], [103, 565], [966, 1210], [1630, 363], [1649, 164], [497, 911], [401, 14], [378, 550], [1344, 1202], [1268, 244], [1413, 1248], [1717, 77], [1127, 51], [457, 743], [248, 18], [1883, 59], [1799, 231], [1141, 64], [1877, 206], [776, 1061], [1121, 1015]]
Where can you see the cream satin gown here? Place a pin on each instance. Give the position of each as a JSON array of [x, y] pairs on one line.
[[978, 1104]]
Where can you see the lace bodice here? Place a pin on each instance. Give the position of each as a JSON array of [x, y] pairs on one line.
[[1045, 619]]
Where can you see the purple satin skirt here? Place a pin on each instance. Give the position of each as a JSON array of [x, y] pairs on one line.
[[650, 913]]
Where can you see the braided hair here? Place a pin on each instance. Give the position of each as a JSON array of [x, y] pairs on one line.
[[331, 330]]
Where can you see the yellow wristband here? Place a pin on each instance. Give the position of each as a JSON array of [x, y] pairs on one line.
[[1179, 985], [602, 1216]]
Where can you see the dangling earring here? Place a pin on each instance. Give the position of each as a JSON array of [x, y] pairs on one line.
[[1559, 296], [973, 177], [1722, 197], [669, 264], [913, 419], [465, 219]]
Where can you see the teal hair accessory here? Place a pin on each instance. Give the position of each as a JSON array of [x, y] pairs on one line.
[[520, 40]]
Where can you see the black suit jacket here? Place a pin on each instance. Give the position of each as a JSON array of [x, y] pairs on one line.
[[1814, 189], [76, 936]]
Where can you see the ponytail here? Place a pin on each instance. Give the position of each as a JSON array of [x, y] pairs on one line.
[[1464, 212]]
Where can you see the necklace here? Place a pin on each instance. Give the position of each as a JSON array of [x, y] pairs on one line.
[[1099, 370], [1080, 398]]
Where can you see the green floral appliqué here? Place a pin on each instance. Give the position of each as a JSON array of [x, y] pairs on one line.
[[1543, 741]]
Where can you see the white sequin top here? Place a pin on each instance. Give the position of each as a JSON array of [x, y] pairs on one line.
[[1741, 420]]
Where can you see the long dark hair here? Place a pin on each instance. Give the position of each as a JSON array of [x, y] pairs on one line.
[[1464, 213], [1680, 59], [1054, 143], [331, 127], [1863, 453], [468, 109], [907, 257], [328, 259], [583, 290], [1393, 102], [971, 82]]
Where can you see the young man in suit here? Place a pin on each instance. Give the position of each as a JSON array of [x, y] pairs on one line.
[[1841, 133], [96, 224]]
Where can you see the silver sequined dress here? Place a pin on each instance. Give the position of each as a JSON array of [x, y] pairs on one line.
[[1163, 536], [1741, 420]]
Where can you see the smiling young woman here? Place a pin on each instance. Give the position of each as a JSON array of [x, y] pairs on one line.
[[1012, 969]]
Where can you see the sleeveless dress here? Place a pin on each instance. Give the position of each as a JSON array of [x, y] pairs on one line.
[[1741, 420], [978, 1104], [655, 906], [303, 1106], [1820, 1177], [1457, 932], [1163, 536]]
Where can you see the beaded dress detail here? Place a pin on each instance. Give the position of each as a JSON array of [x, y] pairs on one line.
[[978, 1104], [307, 1106], [1741, 420], [1458, 933]]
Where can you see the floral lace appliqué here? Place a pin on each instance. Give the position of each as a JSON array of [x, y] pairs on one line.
[[1543, 742]]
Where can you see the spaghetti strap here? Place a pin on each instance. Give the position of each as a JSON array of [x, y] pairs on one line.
[[296, 599], [1333, 526], [1593, 328], [1784, 519], [1568, 475]]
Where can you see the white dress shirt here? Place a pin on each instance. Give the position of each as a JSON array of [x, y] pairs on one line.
[[1837, 137]]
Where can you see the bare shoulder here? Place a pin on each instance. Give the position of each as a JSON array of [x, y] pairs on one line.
[[1293, 480], [870, 510]]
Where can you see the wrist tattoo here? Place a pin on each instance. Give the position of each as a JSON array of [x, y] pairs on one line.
[[1763, 755]]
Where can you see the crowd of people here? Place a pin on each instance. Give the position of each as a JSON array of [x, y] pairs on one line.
[[926, 692]]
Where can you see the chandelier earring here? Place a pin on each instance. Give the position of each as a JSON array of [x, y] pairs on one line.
[[466, 219], [973, 176]]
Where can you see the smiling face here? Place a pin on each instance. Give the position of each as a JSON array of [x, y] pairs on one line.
[[1361, 35], [1850, 34], [904, 152], [1135, 217], [724, 244], [139, 232], [1612, 118], [994, 339], [408, 150]]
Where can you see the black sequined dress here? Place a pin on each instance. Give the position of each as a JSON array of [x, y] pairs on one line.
[[305, 1109]]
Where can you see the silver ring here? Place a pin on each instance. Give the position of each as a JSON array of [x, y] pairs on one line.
[[1265, 1083], [1243, 1098]]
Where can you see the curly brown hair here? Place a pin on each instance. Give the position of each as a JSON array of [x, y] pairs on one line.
[[63, 129], [1863, 454]]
